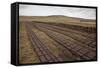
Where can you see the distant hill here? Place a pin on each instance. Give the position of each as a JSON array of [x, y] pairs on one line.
[[59, 19], [56, 16], [71, 17]]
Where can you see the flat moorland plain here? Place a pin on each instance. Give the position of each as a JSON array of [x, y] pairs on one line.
[[56, 38]]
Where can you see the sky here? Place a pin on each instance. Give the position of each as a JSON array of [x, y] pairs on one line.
[[38, 10]]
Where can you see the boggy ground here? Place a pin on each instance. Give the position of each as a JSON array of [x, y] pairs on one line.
[[42, 40]]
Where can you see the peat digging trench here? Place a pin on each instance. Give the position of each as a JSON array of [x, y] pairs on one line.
[[83, 39], [89, 35], [87, 53]]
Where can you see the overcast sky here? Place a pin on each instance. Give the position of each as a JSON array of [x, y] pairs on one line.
[[38, 10]]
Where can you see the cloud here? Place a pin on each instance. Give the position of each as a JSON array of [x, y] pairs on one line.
[[37, 10]]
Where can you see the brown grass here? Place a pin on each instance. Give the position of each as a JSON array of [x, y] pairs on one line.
[[26, 53]]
